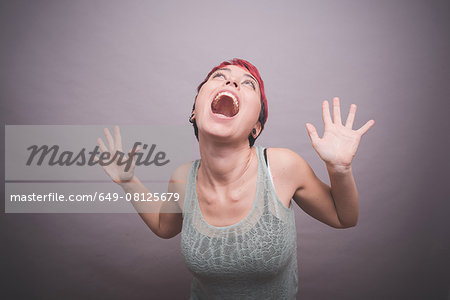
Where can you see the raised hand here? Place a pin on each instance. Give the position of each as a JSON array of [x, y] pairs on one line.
[[119, 173], [339, 143]]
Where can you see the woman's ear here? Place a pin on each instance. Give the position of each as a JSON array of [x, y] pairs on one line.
[[256, 130], [192, 117]]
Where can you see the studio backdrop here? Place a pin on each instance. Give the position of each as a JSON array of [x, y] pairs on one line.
[[138, 63]]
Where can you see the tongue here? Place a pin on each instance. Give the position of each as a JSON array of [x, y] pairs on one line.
[[224, 106]]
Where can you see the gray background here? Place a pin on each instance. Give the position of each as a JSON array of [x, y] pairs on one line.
[[139, 62]]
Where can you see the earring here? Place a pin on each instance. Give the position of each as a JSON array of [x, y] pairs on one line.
[[191, 118], [254, 131]]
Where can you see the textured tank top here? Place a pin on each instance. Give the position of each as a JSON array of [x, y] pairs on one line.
[[255, 258]]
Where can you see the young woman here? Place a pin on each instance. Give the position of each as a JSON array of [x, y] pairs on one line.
[[236, 218]]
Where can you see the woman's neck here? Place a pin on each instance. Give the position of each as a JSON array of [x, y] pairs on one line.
[[224, 164]]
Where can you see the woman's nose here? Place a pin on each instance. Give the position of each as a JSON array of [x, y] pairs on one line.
[[232, 83]]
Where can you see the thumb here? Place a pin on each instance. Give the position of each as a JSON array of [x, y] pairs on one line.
[[132, 155], [312, 132]]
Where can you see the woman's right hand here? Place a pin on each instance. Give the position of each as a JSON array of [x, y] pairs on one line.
[[118, 173]]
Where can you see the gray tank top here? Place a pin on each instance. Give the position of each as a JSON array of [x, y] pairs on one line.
[[255, 258]]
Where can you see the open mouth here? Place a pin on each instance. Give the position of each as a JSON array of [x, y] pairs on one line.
[[226, 104]]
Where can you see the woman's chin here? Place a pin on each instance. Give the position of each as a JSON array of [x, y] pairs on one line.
[[214, 133], [218, 132]]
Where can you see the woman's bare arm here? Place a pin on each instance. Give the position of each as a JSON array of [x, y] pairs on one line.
[[337, 205], [162, 217], [151, 219], [295, 179], [164, 224]]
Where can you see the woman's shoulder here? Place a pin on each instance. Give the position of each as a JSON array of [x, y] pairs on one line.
[[182, 171], [286, 164], [283, 157], [178, 181]]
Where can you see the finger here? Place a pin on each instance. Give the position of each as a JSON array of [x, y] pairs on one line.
[[312, 132], [326, 113], [102, 145], [351, 116], [133, 157], [336, 111], [110, 140], [97, 159], [133, 154], [366, 127], [118, 138]]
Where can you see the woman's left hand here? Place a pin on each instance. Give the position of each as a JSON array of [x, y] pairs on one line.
[[339, 143]]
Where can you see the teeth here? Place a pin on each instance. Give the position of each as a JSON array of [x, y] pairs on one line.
[[235, 101]]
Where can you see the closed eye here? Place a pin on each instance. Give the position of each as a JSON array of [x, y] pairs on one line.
[[250, 83], [218, 74]]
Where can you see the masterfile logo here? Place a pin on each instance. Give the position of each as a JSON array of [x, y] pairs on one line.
[[59, 168]]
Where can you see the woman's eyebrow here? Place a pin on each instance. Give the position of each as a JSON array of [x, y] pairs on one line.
[[248, 75]]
